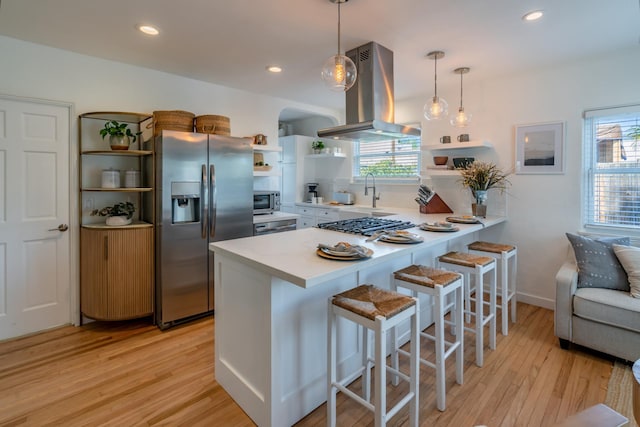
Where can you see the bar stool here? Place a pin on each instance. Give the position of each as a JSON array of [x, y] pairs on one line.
[[502, 253], [469, 264], [378, 310], [438, 284]]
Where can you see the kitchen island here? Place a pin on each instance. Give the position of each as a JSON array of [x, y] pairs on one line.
[[271, 297]]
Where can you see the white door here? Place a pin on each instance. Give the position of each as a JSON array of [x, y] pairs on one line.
[[34, 202]]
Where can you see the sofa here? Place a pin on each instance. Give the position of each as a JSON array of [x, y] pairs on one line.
[[606, 320]]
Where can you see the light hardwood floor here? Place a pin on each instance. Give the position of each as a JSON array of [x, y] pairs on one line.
[[131, 374]]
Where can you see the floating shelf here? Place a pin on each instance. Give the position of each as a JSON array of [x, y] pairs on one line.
[[266, 173], [326, 156], [457, 145], [257, 147]]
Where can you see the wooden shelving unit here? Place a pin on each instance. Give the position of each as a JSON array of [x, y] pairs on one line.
[[116, 262]]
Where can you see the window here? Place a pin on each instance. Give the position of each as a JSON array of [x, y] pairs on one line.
[[612, 167], [392, 159]]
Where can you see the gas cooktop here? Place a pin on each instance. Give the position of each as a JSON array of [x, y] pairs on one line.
[[366, 225]]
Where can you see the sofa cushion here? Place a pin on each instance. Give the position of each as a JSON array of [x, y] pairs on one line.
[[629, 257], [598, 266], [615, 308]]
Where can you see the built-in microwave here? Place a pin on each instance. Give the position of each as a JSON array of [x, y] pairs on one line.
[[266, 202]]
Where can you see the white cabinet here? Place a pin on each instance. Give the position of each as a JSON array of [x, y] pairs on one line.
[[312, 216]]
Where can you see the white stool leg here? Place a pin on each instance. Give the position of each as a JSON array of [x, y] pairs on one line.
[[492, 309], [512, 280], [479, 317], [331, 368], [395, 364], [381, 375], [459, 325], [414, 366], [467, 296], [366, 363], [504, 290], [439, 335]]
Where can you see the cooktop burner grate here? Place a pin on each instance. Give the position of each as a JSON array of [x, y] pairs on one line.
[[366, 225]]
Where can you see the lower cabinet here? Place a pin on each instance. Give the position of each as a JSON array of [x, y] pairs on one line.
[[116, 272], [312, 216]]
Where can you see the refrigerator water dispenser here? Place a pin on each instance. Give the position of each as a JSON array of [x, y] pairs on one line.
[[185, 202]]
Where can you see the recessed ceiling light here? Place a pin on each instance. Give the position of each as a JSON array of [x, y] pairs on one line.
[[274, 69], [533, 15], [149, 30]]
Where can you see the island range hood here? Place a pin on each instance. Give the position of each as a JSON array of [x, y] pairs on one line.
[[370, 103]]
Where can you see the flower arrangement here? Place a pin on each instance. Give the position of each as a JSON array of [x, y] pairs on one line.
[[481, 176], [119, 209]]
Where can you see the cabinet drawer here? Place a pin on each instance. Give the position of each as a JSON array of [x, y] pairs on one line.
[[306, 222], [327, 214], [303, 210]]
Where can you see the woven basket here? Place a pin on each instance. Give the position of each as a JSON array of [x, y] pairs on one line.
[[172, 120], [218, 125]]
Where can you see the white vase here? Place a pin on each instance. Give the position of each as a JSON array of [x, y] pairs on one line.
[[118, 220]]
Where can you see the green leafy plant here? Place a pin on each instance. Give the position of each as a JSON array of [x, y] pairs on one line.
[[113, 128], [119, 209], [479, 176], [317, 145]]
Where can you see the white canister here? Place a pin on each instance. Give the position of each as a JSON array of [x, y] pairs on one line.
[[132, 179], [110, 178]]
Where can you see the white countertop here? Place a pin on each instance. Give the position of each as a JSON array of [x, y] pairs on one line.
[[292, 255], [276, 216]]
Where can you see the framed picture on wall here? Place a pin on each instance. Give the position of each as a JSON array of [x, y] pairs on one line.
[[540, 148]]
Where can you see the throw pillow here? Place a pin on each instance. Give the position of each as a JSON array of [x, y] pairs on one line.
[[629, 257], [598, 266]]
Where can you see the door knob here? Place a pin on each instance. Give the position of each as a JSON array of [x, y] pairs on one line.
[[61, 227]]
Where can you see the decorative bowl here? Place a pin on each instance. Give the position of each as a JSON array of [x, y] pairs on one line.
[[462, 162], [440, 160]]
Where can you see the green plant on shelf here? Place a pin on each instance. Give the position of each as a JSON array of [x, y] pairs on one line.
[[119, 209], [116, 129], [317, 145]]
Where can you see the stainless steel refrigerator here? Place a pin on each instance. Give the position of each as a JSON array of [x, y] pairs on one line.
[[204, 193]]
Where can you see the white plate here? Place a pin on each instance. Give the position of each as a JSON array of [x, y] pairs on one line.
[[433, 227], [410, 238], [339, 253], [464, 219]]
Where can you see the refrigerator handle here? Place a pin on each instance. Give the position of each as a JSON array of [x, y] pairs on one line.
[[212, 201], [203, 207]]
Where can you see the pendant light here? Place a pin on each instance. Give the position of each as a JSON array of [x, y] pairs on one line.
[[339, 72], [461, 119], [438, 108]]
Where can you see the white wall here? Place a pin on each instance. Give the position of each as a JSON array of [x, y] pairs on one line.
[[541, 208]]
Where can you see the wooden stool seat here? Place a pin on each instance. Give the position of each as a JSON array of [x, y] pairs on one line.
[[378, 310], [426, 276], [438, 284], [507, 258], [465, 259], [495, 248], [369, 301]]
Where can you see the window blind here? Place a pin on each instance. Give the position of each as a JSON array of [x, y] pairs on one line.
[[395, 158], [612, 167]]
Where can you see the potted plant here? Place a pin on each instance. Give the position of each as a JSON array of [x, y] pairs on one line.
[[119, 214], [480, 177], [120, 136], [317, 146]]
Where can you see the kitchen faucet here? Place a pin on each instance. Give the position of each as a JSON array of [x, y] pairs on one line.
[[366, 188]]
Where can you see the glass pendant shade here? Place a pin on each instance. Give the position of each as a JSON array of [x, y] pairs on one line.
[[437, 108], [461, 119], [339, 73]]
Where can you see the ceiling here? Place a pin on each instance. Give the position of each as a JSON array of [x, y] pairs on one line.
[[231, 42]]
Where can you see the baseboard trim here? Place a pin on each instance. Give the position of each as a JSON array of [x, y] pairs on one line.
[[536, 300]]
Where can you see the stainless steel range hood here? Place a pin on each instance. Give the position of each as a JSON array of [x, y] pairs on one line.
[[370, 103]]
